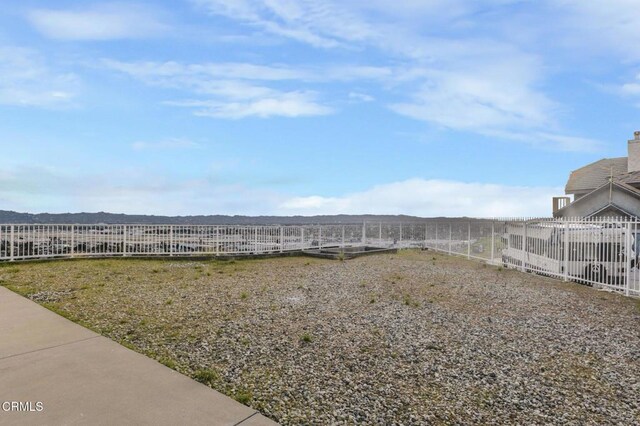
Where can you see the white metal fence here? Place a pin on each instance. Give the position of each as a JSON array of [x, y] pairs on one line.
[[600, 252]]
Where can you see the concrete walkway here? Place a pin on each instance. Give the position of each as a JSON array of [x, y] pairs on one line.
[[80, 377]]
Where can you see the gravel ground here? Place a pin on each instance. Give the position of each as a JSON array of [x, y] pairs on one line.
[[412, 338]]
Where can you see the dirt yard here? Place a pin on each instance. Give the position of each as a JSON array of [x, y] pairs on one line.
[[410, 338]]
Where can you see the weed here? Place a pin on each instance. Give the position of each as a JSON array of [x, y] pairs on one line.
[[243, 295], [306, 338], [395, 278], [373, 300], [155, 270], [168, 363], [206, 376], [243, 397], [54, 308], [407, 300], [127, 344], [168, 301], [341, 256]]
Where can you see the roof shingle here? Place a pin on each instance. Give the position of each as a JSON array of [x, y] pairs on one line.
[[596, 174]]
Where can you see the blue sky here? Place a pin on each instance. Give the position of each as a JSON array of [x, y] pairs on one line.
[[429, 107]]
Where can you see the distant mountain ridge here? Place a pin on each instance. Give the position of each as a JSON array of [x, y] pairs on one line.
[[9, 217]]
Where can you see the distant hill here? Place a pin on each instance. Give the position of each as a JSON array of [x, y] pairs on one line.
[[8, 217]]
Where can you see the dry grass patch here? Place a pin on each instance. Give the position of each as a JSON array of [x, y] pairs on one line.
[[411, 338]]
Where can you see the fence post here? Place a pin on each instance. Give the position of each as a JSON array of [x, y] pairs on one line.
[[449, 237], [342, 235], [426, 230], [469, 241], [437, 245], [493, 240], [400, 242], [364, 233], [302, 237], [73, 240], [255, 239], [565, 250], [124, 240], [281, 238], [218, 240], [319, 236], [170, 240], [524, 247], [380, 232], [627, 266], [12, 250]]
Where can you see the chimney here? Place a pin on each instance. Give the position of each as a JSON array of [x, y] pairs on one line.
[[634, 153]]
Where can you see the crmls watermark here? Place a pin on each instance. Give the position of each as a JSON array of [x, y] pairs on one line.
[[23, 406]]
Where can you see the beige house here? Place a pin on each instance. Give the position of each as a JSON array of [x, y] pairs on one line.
[[606, 188]]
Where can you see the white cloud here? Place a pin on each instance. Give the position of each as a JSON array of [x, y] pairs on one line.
[[361, 97], [132, 191], [495, 96], [152, 191], [448, 74], [566, 143], [320, 24], [27, 80], [101, 22], [611, 26], [167, 144], [275, 104], [631, 88], [229, 90], [175, 73], [431, 198]]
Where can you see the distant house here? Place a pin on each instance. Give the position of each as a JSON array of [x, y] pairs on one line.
[[607, 188]]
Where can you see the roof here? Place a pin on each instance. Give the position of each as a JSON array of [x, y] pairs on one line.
[[629, 178], [595, 175], [630, 189]]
